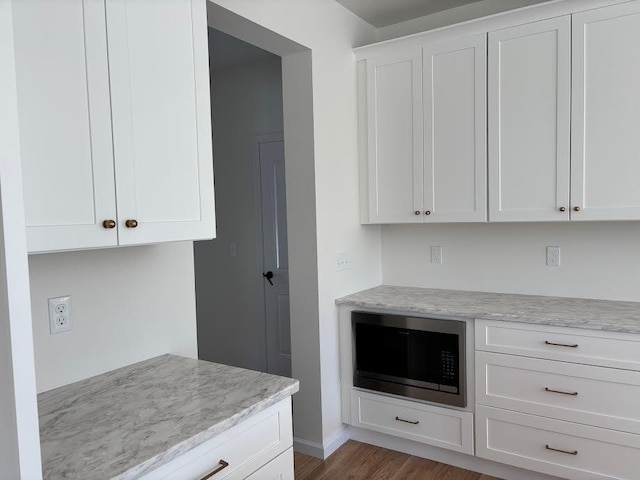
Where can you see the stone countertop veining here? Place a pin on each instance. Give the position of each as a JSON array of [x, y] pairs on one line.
[[606, 315], [125, 423]]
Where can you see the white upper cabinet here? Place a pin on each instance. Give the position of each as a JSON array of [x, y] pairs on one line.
[[605, 163], [394, 137], [529, 121], [424, 118], [159, 68], [114, 122], [65, 123], [455, 163]]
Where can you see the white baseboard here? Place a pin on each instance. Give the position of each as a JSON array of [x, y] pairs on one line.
[[461, 460], [322, 450]]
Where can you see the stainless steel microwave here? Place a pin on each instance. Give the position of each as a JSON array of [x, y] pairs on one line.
[[416, 357]]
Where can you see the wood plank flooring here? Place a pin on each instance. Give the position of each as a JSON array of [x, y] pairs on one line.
[[359, 461]]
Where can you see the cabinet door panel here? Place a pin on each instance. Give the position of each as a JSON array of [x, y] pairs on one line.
[[455, 130], [529, 121], [65, 123], [394, 101], [606, 114], [161, 119]]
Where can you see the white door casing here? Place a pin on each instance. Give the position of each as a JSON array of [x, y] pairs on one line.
[[529, 121], [455, 126], [275, 253], [605, 162]]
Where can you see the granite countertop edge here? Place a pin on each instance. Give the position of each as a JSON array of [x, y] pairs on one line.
[[207, 434], [161, 408], [588, 314]]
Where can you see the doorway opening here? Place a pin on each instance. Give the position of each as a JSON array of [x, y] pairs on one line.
[[242, 276]]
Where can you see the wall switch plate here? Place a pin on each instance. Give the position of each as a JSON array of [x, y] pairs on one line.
[[341, 261], [553, 256], [436, 254], [60, 314]]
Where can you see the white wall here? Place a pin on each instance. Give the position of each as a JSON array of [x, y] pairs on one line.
[[19, 436], [598, 260], [128, 304], [245, 101], [330, 32]]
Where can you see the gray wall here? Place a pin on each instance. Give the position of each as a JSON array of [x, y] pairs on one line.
[[246, 101]]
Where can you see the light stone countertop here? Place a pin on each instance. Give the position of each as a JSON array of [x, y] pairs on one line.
[[125, 423], [590, 314]]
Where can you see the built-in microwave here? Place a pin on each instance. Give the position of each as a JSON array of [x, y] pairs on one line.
[[415, 357]]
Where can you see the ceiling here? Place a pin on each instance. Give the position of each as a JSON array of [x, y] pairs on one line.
[[381, 13]]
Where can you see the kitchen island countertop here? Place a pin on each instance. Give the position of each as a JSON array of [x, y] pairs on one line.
[[127, 422], [605, 315]]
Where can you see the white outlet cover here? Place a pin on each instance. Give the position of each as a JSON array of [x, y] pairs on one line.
[[341, 261], [553, 256], [436, 254], [60, 314]]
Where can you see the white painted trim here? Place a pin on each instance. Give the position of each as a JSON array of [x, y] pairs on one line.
[[461, 460], [498, 21], [323, 450], [308, 447], [336, 440], [19, 436]]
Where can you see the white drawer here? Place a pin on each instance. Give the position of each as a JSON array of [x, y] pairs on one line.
[[280, 468], [245, 448], [442, 427], [555, 447], [607, 349], [603, 397]]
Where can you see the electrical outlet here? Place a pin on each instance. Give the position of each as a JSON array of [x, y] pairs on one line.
[[341, 261], [553, 256], [59, 314], [436, 254]]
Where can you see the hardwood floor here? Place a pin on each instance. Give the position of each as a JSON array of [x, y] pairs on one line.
[[359, 461]]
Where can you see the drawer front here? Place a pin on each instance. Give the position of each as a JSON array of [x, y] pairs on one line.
[[607, 349], [236, 453], [555, 447], [603, 397], [442, 427], [280, 468]]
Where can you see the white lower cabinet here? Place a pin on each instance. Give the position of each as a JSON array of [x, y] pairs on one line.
[[555, 400], [565, 449], [257, 448], [443, 427]]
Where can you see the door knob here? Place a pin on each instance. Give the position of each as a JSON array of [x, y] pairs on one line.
[[109, 224], [131, 223], [268, 276]]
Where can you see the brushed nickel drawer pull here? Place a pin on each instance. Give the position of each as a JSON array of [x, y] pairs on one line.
[[407, 421], [570, 345], [573, 394], [222, 466], [575, 452]]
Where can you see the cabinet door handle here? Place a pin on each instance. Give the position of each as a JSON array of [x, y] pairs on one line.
[[570, 345], [109, 224], [131, 223], [407, 421], [573, 452], [562, 209], [547, 389], [417, 212], [222, 465]]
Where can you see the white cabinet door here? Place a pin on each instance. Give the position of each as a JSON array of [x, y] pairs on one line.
[[605, 163], [159, 72], [455, 130], [65, 123], [394, 131], [529, 121]]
